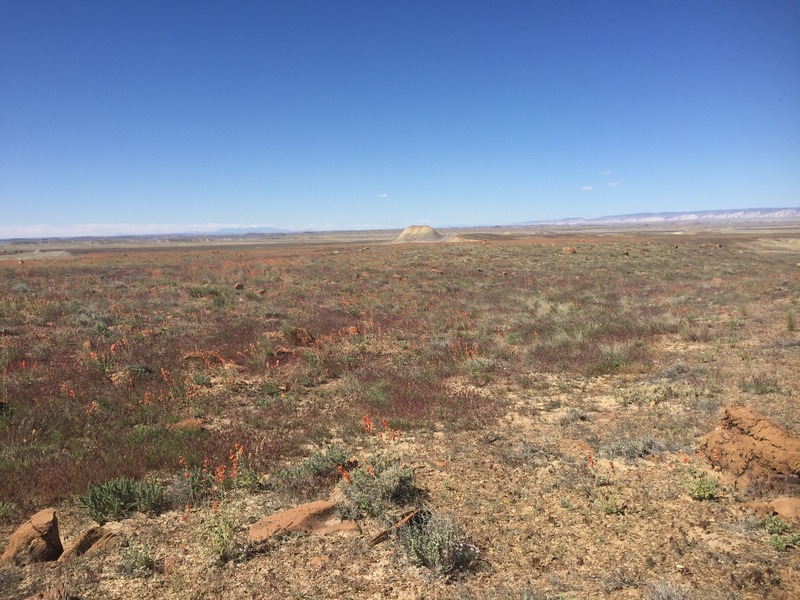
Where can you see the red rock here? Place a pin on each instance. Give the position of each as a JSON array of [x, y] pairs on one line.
[[90, 541], [36, 540], [750, 448], [313, 517], [568, 250], [760, 509], [787, 509]]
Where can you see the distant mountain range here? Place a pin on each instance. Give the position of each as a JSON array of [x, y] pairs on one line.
[[745, 214], [244, 230]]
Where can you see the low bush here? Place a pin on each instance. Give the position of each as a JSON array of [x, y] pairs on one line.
[[136, 558], [438, 543], [667, 590], [373, 487], [631, 449], [316, 474], [219, 538], [761, 385], [703, 487], [776, 526], [782, 543], [118, 498], [6, 510]]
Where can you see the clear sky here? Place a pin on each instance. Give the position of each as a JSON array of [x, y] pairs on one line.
[[137, 115]]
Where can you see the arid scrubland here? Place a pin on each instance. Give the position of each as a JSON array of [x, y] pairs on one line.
[[536, 414]]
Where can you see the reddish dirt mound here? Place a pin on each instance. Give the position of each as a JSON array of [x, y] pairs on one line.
[[751, 449]]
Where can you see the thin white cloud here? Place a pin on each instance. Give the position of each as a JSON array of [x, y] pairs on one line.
[[587, 188], [382, 195], [604, 173], [613, 184]]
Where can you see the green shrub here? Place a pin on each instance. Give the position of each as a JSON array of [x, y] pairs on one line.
[[609, 503], [201, 379], [438, 543], [776, 526], [480, 370], [219, 538], [315, 474], [208, 291], [137, 558], [6, 412], [782, 543], [118, 498], [6, 509], [703, 487], [373, 487], [760, 385]]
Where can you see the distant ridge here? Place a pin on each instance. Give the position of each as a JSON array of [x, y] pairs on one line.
[[698, 216], [244, 230]]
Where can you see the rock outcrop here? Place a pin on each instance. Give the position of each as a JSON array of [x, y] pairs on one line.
[[419, 233], [91, 540], [313, 517], [36, 540], [750, 449]]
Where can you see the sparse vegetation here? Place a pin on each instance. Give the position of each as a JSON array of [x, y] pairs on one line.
[[118, 498], [668, 590], [760, 385], [376, 486], [6, 510], [219, 537], [551, 404], [136, 558], [315, 475], [438, 543], [703, 487], [776, 526], [782, 543]]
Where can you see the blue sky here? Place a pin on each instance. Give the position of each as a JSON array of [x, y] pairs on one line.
[[136, 116]]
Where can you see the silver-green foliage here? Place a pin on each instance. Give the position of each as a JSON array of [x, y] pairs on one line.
[[375, 486], [136, 558], [118, 498], [438, 543], [219, 537]]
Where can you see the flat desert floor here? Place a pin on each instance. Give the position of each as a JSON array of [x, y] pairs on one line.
[[537, 402]]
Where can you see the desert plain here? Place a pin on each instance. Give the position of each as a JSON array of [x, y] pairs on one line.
[[491, 413]]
